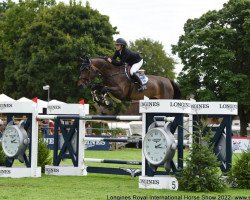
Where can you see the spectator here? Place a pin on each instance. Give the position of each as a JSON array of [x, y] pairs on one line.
[[45, 127], [1, 128], [88, 129], [51, 127]]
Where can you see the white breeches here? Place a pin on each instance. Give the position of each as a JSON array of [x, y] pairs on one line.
[[136, 67]]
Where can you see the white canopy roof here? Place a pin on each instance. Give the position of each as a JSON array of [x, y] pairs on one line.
[[41, 104], [56, 102], [4, 97], [24, 99]]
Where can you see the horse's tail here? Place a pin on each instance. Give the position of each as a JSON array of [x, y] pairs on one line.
[[177, 91]]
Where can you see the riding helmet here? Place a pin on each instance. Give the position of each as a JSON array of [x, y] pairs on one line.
[[121, 41]]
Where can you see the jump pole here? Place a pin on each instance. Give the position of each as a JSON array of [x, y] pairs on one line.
[[131, 140], [92, 117], [125, 162]]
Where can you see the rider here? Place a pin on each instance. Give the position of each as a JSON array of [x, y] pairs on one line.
[[127, 56]]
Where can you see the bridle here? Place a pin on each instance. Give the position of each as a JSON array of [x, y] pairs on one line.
[[87, 65]]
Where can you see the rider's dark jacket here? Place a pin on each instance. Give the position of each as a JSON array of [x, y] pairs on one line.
[[126, 56]]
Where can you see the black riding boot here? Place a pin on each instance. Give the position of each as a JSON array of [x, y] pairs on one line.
[[137, 80]]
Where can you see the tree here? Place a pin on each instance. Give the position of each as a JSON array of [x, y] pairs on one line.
[[156, 61], [202, 172], [239, 176], [47, 48], [215, 51]]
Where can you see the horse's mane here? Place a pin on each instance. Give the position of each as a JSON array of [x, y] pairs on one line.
[[101, 62]]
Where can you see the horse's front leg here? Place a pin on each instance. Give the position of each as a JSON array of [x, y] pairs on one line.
[[95, 96], [96, 92], [100, 98], [115, 91]]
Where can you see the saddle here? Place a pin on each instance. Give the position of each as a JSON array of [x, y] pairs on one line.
[[138, 78]]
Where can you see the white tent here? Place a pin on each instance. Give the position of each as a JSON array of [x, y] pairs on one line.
[[24, 99], [56, 102], [5, 98], [41, 104]]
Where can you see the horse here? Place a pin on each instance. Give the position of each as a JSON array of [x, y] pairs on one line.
[[116, 82]]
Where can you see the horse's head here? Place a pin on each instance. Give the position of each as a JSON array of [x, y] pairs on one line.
[[91, 68], [87, 73]]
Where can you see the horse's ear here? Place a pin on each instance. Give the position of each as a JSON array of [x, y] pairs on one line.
[[85, 63], [85, 60]]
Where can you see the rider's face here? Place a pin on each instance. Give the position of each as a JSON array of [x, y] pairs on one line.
[[118, 47]]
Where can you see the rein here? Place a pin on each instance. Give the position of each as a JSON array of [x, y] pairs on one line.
[[112, 75]]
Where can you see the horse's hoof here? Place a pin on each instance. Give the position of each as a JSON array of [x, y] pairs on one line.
[[96, 98]]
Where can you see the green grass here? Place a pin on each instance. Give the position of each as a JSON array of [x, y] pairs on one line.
[[92, 186], [97, 186]]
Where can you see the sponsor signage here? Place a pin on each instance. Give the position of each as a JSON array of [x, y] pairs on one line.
[[188, 107], [4, 172], [49, 170], [89, 145], [17, 107], [215, 108], [5, 105], [64, 109], [54, 108], [97, 145], [158, 182], [64, 170], [49, 139], [19, 172], [169, 106]]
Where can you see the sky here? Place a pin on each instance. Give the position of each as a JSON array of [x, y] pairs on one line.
[[159, 20]]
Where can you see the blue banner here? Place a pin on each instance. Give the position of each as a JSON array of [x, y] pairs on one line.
[[97, 145], [89, 145]]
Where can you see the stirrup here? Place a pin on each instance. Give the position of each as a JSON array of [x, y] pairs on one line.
[[142, 88]]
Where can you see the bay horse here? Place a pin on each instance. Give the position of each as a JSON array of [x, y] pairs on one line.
[[117, 82]]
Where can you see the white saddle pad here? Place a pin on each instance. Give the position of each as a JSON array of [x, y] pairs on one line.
[[144, 79]]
